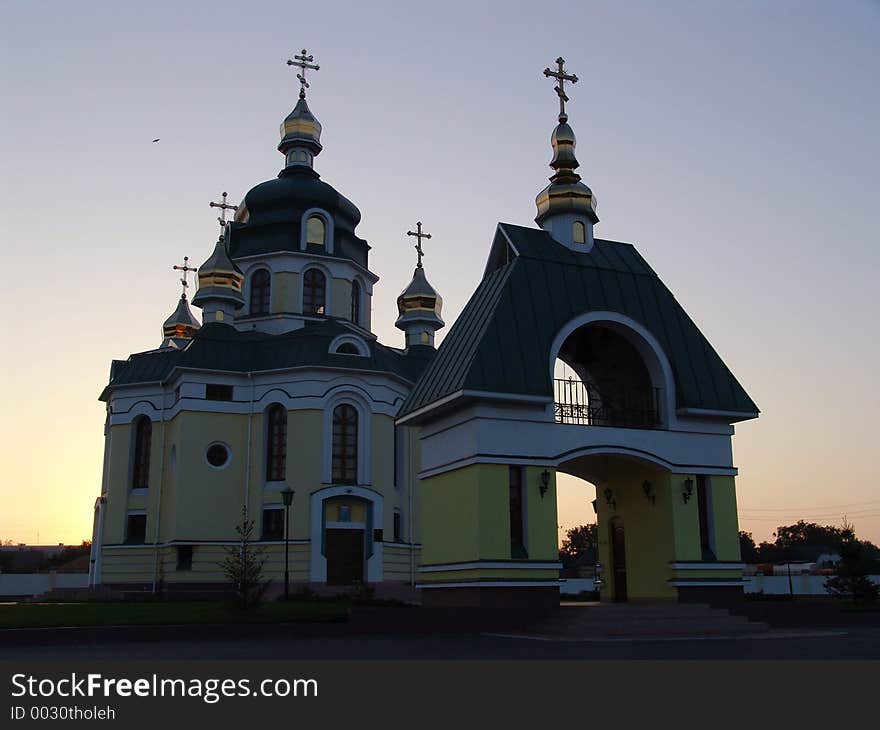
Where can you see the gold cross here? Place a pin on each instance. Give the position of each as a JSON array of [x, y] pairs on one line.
[[561, 77], [185, 269], [304, 61], [419, 235], [224, 206]]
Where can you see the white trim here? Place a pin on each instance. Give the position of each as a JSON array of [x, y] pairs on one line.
[[695, 582], [317, 562], [207, 543], [728, 416], [345, 525], [302, 260], [351, 339], [226, 463], [482, 395], [344, 394], [495, 584], [707, 566], [490, 565], [328, 279], [329, 229]]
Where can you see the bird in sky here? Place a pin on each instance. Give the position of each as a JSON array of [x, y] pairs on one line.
[[157, 139]]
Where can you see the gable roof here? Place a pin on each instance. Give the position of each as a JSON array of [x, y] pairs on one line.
[[532, 287], [221, 347]]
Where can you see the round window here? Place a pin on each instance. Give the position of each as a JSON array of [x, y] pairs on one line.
[[217, 455]]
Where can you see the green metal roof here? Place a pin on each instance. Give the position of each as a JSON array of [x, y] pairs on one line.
[[222, 347], [532, 287]]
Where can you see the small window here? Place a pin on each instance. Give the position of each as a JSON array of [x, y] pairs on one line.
[[344, 513], [703, 507], [517, 533], [314, 292], [261, 292], [580, 232], [217, 455], [276, 443], [136, 529], [315, 231], [273, 523], [143, 434], [398, 537], [215, 391], [184, 557], [346, 348], [356, 302]]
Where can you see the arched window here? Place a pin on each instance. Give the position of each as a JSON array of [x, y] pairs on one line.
[[276, 443], [314, 292], [579, 232], [345, 448], [356, 302], [346, 348], [315, 230], [143, 434], [261, 291]]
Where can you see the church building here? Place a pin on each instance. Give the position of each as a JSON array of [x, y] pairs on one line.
[[410, 465]]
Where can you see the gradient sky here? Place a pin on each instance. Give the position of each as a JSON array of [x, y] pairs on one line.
[[734, 143]]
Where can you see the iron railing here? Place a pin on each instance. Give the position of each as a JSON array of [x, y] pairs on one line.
[[583, 404]]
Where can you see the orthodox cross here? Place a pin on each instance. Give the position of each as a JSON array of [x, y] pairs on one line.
[[303, 61], [224, 206], [561, 77], [185, 269], [419, 235]]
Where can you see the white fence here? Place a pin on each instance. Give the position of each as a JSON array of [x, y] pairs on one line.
[[801, 585], [33, 584]]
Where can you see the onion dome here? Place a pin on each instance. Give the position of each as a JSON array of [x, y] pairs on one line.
[[419, 306], [181, 326], [300, 135], [220, 281]]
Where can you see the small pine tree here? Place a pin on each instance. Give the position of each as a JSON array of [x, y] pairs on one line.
[[243, 566], [852, 580]]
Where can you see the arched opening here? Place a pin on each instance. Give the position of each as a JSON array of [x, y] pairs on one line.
[[600, 379], [276, 443], [347, 348], [316, 231], [143, 436], [579, 232], [261, 292], [346, 521], [314, 292]]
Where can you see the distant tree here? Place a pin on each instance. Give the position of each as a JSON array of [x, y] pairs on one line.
[[852, 579], [747, 549], [580, 547], [67, 554], [243, 566]]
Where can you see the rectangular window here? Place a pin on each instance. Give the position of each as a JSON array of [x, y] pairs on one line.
[[215, 391], [703, 506], [398, 537], [517, 532], [184, 557], [136, 529], [344, 513], [273, 523]]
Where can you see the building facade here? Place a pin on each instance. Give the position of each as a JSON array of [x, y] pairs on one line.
[[415, 465]]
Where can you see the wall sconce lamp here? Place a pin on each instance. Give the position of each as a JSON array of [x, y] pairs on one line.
[[609, 498], [595, 507], [648, 489], [545, 483], [687, 489]]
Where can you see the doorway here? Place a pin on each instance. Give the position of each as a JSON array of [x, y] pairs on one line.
[[345, 556], [618, 560]]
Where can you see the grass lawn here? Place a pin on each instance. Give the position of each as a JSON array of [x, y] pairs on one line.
[[134, 613]]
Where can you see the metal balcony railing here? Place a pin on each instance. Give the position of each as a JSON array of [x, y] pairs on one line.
[[582, 404]]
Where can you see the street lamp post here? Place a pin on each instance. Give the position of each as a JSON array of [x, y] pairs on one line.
[[287, 496]]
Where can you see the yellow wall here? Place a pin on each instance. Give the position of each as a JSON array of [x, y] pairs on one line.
[[340, 298], [285, 292]]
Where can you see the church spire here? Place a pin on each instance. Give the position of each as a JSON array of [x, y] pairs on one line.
[[220, 280], [419, 305], [300, 130], [566, 207], [181, 325]]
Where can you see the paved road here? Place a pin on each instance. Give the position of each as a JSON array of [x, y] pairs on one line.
[[824, 645]]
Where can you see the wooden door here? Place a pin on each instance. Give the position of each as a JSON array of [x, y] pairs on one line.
[[618, 560], [345, 556]]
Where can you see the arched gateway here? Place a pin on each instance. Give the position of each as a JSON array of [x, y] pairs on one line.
[[645, 416]]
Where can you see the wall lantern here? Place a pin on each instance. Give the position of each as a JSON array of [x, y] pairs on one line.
[[687, 489], [595, 507], [545, 482], [648, 490], [609, 498]]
